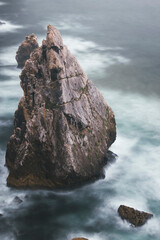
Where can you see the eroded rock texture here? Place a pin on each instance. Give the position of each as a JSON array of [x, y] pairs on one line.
[[25, 49], [135, 217], [63, 127]]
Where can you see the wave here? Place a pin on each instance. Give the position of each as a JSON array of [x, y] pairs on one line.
[[6, 123], [8, 27], [7, 56], [93, 58], [132, 180], [135, 175], [95, 236], [134, 112], [10, 73], [68, 25], [2, 3], [10, 93]]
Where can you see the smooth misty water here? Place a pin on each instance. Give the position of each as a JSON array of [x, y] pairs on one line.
[[118, 45]]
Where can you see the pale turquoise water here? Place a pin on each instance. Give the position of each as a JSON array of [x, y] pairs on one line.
[[117, 44]]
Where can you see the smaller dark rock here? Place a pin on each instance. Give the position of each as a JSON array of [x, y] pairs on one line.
[[1, 214], [25, 49], [135, 217], [1, 23], [17, 200]]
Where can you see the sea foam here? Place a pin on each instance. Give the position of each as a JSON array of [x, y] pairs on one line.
[[2, 3], [8, 27]]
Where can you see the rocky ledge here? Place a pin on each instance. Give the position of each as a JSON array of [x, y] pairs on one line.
[[135, 217], [63, 127]]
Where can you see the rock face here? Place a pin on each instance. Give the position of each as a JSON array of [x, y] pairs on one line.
[[135, 217], [25, 50], [63, 127]]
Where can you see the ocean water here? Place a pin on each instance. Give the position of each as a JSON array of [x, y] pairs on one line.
[[118, 45]]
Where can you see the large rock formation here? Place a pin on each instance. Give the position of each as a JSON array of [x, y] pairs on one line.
[[63, 127], [135, 217], [25, 50]]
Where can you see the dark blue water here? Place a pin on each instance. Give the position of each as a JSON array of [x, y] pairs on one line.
[[118, 45]]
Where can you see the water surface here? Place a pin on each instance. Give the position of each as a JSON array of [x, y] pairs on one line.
[[117, 44]]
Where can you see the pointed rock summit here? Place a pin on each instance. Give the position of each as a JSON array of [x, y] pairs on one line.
[[62, 127]]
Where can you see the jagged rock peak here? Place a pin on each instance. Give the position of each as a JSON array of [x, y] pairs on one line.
[[25, 49], [63, 127], [54, 38]]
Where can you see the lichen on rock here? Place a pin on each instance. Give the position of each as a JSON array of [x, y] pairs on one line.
[[63, 127]]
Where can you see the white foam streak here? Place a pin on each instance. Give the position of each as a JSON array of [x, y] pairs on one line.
[[12, 73], [2, 3], [8, 89], [71, 25], [136, 109], [10, 93], [5, 123], [8, 237], [96, 236], [8, 27], [94, 58], [7, 195], [78, 44], [7, 56], [152, 227], [135, 175]]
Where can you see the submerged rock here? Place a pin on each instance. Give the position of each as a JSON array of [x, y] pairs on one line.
[[63, 127], [25, 49], [135, 217], [17, 200]]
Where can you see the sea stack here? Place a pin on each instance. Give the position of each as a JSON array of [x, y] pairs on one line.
[[63, 127]]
